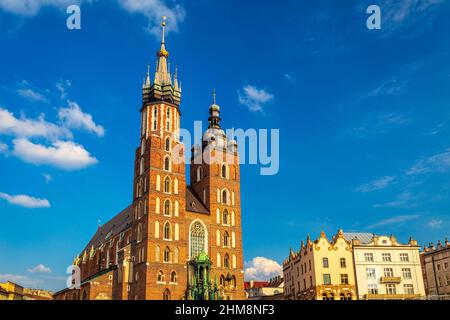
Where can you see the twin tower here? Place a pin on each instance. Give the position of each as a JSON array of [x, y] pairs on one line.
[[186, 240]]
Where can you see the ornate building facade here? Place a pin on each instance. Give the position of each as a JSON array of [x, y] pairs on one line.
[[385, 268], [435, 262], [320, 270], [175, 241]]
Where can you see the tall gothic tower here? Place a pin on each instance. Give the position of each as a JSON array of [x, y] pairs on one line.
[[175, 225]]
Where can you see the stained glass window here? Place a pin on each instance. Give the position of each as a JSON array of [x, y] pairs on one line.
[[197, 239]]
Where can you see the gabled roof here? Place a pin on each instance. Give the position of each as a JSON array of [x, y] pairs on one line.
[[193, 202]]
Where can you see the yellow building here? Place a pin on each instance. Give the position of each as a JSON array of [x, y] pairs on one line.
[[386, 269], [10, 291], [320, 270]]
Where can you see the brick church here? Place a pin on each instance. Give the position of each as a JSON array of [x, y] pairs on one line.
[[175, 241]]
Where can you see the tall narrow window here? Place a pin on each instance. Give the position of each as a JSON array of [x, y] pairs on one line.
[[139, 232], [157, 253], [167, 146], [167, 185], [167, 208], [168, 120], [199, 173], [155, 118], [226, 261], [142, 166], [160, 277], [173, 277], [226, 239], [224, 196], [167, 231], [167, 254], [167, 163], [197, 238], [224, 171], [225, 217]]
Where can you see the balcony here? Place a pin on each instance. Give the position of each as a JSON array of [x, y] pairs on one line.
[[390, 279]]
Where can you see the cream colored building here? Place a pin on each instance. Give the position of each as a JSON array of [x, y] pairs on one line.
[[386, 269], [320, 270]]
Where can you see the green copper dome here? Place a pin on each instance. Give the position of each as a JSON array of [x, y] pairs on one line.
[[202, 257]]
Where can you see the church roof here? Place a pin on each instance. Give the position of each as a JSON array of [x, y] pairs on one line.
[[193, 203], [116, 225]]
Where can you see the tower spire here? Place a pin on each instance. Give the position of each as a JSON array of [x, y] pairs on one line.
[[214, 113], [147, 81], [163, 55]]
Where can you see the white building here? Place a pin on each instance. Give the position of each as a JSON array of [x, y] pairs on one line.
[[386, 269]]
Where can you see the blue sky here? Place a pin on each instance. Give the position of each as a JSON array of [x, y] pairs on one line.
[[363, 114]]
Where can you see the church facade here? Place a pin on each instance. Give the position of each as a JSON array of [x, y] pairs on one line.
[[175, 241]]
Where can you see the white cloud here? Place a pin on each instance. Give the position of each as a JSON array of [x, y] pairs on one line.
[[47, 177], [437, 163], [25, 127], [65, 155], [153, 10], [21, 280], [261, 268], [403, 13], [32, 94], [403, 200], [388, 87], [253, 98], [40, 268], [73, 117], [3, 147], [25, 201], [62, 87], [31, 7], [374, 185], [393, 220], [435, 223]]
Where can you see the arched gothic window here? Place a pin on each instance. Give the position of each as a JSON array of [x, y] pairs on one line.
[[225, 217], [226, 239], [167, 232], [160, 277], [222, 280], [166, 295], [167, 208], [173, 277], [224, 196], [139, 232], [224, 171], [167, 254], [197, 238], [226, 261], [167, 163], [167, 185], [167, 145]]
